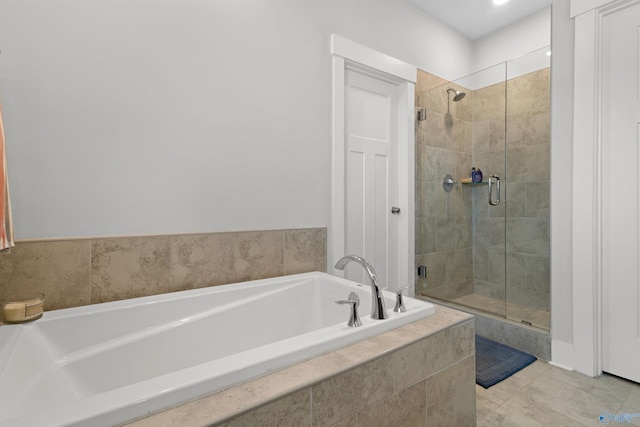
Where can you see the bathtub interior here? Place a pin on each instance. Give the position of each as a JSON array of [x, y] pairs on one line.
[[74, 354], [197, 338]]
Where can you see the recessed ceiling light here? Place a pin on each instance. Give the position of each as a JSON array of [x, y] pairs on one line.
[[499, 2]]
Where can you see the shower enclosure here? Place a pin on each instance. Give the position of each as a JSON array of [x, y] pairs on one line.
[[485, 245]]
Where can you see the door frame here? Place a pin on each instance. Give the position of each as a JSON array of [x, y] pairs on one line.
[[347, 54], [588, 297]]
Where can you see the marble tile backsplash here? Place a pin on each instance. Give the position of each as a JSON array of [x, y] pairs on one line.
[[89, 271]]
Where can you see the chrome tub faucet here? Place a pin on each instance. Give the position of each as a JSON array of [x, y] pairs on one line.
[[378, 310]]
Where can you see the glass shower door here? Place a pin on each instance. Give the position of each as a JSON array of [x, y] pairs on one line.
[[480, 253], [488, 204], [461, 236], [527, 215]]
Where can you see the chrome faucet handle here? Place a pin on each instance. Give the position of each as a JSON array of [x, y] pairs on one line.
[[378, 309], [354, 300], [400, 308]]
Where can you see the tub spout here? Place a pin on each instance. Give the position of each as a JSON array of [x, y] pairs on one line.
[[378, 310]]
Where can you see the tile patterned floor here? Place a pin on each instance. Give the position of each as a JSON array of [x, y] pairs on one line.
[[543, 395]]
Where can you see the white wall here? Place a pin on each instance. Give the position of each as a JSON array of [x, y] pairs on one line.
[[562, 76], [186, 116], [510, 52], [170, 116], [526, 35]]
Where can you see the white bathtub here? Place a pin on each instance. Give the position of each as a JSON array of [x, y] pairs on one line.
[[109, 363]]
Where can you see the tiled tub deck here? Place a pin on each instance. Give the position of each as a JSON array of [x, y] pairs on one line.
[[421, 374]]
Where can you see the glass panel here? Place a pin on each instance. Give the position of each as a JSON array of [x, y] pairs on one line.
[[489, 258], [527, 189], [460, 238]]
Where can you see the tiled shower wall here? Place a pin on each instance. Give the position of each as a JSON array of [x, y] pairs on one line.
[[528, 165], [443, 220], [524, 215], [459, 237], [88, 271], [489, 221]]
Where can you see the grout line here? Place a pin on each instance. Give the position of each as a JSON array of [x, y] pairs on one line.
[[284, 252], [91, 242], [311, 405], [171, 288]]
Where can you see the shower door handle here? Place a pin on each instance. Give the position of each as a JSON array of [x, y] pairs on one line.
[[497, 201]]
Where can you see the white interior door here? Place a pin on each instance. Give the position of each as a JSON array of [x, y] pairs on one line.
[[371, 184], [621, 193]]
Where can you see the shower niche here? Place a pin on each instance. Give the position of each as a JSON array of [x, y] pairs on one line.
[[479, 253]]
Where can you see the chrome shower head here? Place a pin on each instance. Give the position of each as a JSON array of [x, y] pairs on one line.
[[457, 94]]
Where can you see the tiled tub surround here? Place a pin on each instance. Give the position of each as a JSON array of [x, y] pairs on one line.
[[88, 271], [421, 374]]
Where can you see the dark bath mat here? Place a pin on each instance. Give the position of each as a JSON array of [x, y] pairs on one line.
[[496, 362]]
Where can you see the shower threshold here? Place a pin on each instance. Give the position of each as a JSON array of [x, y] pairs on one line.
[[519, 315]]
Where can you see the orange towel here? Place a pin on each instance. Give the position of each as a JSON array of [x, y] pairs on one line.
[[6, 228]]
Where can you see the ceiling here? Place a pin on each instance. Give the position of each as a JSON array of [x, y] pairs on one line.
[[477, 18]]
